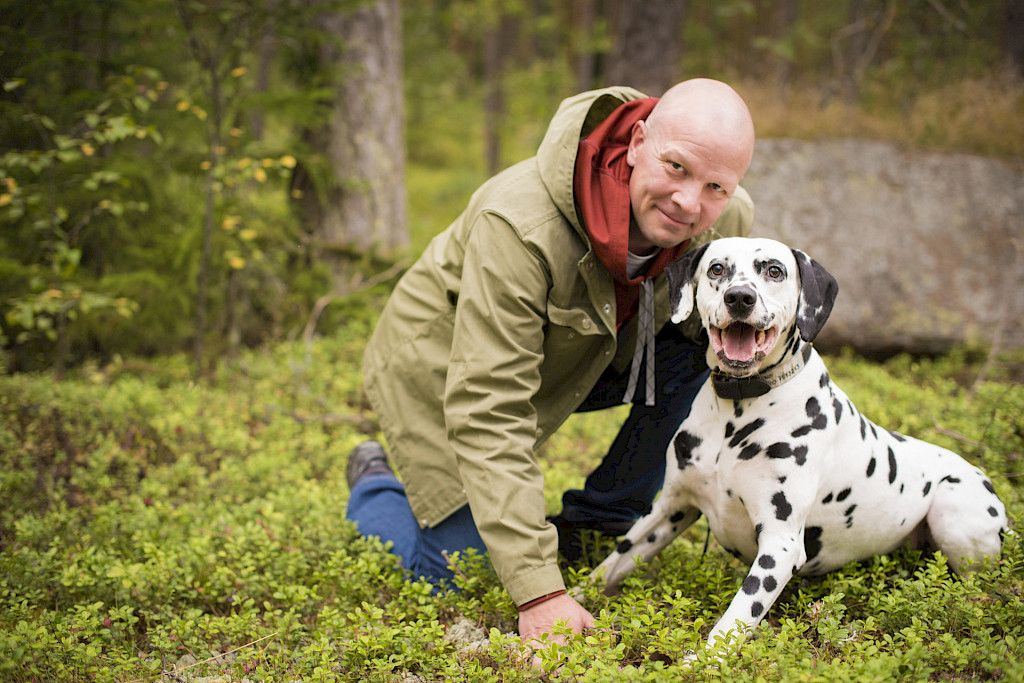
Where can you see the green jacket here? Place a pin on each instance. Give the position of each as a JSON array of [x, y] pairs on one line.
[[494, 337]]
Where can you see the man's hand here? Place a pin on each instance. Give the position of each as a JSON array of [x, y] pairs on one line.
[[540, 619]]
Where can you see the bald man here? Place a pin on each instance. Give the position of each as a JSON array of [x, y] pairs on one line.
[[544, 298]]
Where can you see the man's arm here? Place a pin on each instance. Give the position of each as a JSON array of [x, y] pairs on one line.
[[493, 376]]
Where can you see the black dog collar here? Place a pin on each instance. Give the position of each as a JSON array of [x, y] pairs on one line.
[[740, 388]]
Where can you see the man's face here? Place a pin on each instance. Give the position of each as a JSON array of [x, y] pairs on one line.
[[682, 179]]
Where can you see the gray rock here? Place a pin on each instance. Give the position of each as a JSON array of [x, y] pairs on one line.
[[927, 247]]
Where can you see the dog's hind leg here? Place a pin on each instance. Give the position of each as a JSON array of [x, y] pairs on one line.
[[645, 540], [966, 520]]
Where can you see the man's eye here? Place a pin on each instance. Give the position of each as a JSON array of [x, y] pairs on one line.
[[676, 166], [716, 188], [716, 269]]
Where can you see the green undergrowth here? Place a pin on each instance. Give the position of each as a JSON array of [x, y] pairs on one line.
[[151, 524]]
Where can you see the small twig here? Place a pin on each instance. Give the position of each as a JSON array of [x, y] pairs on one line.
[[175, 675], [330, 297], [948, 16], [953, 434]]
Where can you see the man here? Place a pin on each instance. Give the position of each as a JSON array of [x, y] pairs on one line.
[[541, 299]]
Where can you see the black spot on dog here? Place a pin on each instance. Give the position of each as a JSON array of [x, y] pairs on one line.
[[898, 437], [781, 449], [684, 445], [801, 431], [901, 488], [849, 522], [838, 407], [782, 480], [769, 583], [992, 511], [624, 546], [863, 428], [812, 407], [849, 510], [871, 467], [827, 499], [751, 585], [746, 431], [874, 432], [728, 429], [988, 486], [823, 380], [766, 562], [843, 495], [652, 538], [677, 516], [757, 531], [892, 466], [782, 507], [756, 609], [812, 541], [737, 410], [951, 479], [728, 492], [749, 451], [927, 488]]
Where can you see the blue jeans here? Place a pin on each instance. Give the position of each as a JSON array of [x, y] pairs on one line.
[[615, 495]]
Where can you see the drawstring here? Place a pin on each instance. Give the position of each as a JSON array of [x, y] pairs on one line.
[[644, 341]]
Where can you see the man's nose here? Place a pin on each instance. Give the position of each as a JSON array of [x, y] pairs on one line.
[[687, 197]]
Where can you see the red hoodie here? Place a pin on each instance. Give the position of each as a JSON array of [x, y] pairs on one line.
[[601, 191]]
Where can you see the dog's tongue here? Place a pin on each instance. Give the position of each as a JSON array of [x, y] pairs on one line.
[[738, 340]]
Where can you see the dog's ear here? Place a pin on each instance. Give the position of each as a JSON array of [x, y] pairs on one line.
[[818, 290], [680, 283]]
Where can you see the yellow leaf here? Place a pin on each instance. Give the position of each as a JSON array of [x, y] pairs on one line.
[[140, 133], [88, 150], [238, 71], [5, 199], [53, 293], [267, 162], [162, 85], [199, 112], [11, 184], [248, 234], [206, 165], [183, 105], [297, 194], [230, 222], [104, 204], [236, 262], [288, 161], [244, 163], [235, 132], [260, 175]]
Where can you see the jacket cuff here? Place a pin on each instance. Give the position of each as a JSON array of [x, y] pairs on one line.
[[535, 583]]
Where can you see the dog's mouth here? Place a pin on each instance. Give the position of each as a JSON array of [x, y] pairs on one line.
[[740, 345]]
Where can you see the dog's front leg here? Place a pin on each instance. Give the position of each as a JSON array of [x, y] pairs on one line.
[[780, 551], [645, 540]]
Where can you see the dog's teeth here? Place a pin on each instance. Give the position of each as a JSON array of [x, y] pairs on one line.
[[760, 336]]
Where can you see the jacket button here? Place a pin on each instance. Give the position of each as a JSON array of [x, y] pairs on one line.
[[607, 308], [572, 335], [586, 324]]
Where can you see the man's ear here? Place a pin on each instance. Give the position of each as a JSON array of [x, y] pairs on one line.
[[636, 138], [818, 291], [680, 282]]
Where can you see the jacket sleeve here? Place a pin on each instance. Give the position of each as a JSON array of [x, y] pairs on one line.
[[491, 421]]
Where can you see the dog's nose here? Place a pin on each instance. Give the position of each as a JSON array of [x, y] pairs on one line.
[[740, 300]]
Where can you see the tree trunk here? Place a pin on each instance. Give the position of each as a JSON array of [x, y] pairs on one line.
[[581, 37], [1014, 34], [648, 45], [497, 43], [362, 207], [783, 21]]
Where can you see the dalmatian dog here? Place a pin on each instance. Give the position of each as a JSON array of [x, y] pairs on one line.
[[792, 478]]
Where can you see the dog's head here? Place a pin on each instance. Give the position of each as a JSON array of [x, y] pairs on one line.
[[750, 293]]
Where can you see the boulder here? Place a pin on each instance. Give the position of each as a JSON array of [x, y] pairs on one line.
[[927, 247]]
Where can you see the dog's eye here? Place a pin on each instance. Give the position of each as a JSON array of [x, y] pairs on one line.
[[716, 269], [776, 272]]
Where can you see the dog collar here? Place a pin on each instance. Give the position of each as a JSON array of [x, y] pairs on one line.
[[739, 388]]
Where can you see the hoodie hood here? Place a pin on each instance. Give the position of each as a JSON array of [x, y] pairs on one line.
[[575, 119]]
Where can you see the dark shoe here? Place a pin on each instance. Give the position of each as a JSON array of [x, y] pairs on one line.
[[366, 458], [576, 541]]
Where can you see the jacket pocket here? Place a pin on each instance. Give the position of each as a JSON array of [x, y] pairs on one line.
[[577, 320]]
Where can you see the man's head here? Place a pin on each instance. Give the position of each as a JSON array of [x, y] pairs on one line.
[[687, 158]]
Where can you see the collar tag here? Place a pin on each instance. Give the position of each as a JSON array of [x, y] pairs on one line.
[[740, 388]]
